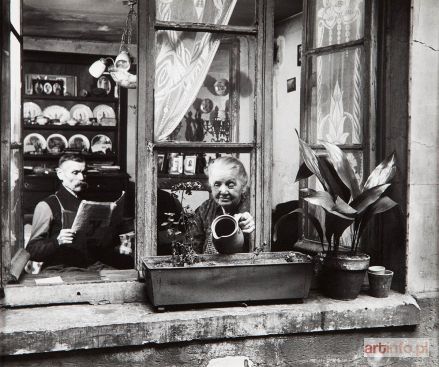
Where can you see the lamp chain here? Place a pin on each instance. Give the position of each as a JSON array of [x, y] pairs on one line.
[[128, 29]]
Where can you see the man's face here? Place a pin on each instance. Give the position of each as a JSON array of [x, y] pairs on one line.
[[227, 188], [72, 175]]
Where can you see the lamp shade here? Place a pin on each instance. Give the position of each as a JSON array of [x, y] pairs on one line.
[[97, 68], [122, 61]]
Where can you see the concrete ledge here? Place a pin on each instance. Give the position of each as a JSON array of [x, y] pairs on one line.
[[71, 327]]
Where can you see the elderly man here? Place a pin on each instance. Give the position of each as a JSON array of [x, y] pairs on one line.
[[52, 240]]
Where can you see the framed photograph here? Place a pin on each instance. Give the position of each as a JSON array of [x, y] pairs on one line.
[[299, 55], [160, 162], [55, 85], [291, 85], [175, 164], [190, 163]]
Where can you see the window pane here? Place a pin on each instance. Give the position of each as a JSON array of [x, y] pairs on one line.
[[233, 12], [337, 97], [204, 87], [337, 21], [176, 173]]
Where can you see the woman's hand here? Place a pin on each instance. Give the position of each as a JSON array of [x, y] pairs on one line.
[[66, 236], [245, 222]]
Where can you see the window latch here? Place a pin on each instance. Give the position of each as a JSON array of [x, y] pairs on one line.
[[16, 145]]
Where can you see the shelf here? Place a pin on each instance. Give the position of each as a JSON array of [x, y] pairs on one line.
[[102, 99], [69, 127], [37, 157]]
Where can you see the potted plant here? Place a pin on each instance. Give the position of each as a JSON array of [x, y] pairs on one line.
[[186, 277], [346, 204]]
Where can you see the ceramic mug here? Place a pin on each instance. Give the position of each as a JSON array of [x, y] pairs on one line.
[[227, 237]]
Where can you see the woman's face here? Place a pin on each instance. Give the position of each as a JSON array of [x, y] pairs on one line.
[[227, 188]]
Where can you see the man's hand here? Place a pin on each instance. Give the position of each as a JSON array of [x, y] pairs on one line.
[[66, 236], [245, 222]]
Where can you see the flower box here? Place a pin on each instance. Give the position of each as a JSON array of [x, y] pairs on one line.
[[242, 277]]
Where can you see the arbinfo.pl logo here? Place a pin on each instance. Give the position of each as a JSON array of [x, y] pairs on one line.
[[397, 347]]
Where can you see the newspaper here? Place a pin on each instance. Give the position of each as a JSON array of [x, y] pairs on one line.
[[95, 221]]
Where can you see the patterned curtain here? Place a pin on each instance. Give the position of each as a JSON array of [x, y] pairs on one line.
[[184, 58]]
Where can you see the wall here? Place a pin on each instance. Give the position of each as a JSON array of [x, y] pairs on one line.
[[423, 238], [286, 110]]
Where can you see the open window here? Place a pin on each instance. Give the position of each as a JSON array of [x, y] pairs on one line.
[[218, 56]]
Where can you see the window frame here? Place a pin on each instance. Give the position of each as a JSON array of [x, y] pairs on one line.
[[369, 43], [260, 149], [125, 288]]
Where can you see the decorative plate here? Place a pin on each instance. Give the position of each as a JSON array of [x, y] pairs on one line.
[[81, 112], [104, 83], [56, 112], [101, 143], [79, 142], [104, 111], [56, 143], [34, 143], [31, 110]]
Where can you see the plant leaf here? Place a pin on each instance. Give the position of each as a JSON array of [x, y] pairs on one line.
[[310, 159], [368, 197], [383, 173], [324, 200], [342, 207], [312, 218], [380, 206], [343, 167], [335, 226], [303, 172], [336, 187]]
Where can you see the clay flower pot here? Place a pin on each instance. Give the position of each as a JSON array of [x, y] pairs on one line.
[[227, 237]]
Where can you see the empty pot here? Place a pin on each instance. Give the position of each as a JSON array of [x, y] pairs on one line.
[[227, 237], [379, 284]]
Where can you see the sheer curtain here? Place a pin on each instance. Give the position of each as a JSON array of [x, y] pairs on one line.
[[184, 58]]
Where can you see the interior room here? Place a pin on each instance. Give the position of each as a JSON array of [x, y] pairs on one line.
[[96, 115]]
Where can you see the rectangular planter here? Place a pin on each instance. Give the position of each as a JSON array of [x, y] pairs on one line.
[[227, 278]]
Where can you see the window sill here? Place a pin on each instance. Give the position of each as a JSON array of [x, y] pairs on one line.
[[73, 327]]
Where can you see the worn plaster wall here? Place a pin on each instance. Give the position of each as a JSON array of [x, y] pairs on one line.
[[423, 230], [301, 350], [286, 110]]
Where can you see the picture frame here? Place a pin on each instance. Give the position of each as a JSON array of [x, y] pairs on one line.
[[160, 162], [190, 164], [44, 84]]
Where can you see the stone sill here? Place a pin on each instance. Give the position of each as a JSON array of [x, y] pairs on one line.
[[73, 327]]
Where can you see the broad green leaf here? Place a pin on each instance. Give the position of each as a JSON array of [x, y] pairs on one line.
[[303, 172], [336, 187], [324, 200], [312, 218], [342, 207], [343, 167], [382, 174], [335, 226], [310, 159], [368, 197], [380, 206]]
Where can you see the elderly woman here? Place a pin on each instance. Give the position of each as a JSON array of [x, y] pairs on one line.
[[228, 181]]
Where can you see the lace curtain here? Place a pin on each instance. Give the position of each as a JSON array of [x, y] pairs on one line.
[[184, 58]]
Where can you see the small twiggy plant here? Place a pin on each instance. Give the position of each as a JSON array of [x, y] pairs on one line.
[[179, 229]]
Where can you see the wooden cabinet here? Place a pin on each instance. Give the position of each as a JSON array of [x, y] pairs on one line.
[[66, 109]]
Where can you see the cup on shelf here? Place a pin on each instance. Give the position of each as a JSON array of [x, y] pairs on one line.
[[376, 269]]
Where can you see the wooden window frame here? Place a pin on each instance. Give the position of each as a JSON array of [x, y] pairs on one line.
[[369, 44], [147, 150], [127, 288]]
